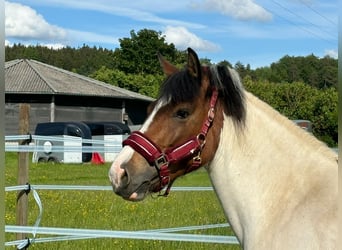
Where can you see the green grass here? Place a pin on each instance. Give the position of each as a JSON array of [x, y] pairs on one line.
[[104, 210]]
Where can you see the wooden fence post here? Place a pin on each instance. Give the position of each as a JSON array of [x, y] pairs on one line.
[[23, 168]]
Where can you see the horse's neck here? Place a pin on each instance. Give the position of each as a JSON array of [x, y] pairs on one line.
[[258, 168]]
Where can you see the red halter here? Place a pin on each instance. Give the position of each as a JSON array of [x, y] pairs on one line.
[[161, 160]]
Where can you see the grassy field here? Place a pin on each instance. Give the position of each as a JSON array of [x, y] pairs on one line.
[[106, 211]]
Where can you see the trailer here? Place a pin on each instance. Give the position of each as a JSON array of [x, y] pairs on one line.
[[112, 133], [71, 134]]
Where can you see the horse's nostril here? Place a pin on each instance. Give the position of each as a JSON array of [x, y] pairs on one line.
[[118, 176], [124, 178]]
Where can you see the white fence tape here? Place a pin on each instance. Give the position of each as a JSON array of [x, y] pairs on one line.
[[90, 188], [89, 145], [78, 234], [62, 234], [143, 235]]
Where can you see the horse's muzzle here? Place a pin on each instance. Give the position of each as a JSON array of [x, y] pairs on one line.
[[133, 187]]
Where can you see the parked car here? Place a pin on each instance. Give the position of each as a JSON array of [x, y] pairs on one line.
[[304, 124]]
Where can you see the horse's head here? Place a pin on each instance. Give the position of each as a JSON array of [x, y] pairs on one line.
[[180, 133]]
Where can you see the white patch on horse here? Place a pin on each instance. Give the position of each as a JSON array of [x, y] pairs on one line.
[[149, 120], [116, 171]]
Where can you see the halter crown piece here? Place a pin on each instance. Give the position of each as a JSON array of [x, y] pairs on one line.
[[161, 160]]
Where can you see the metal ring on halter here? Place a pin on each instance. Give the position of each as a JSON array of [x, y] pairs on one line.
[[211, 114], [201, 138]]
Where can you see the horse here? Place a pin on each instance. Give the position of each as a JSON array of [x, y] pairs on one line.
[[277, 183]]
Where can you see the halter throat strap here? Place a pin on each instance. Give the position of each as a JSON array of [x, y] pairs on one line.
[[162, 159]]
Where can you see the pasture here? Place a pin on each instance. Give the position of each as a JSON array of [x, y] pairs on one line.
[[104, 210]]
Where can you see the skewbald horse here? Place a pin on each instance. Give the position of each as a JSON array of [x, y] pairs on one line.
[[276, 183]]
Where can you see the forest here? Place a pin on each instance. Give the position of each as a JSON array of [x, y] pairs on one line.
[[300, 87]]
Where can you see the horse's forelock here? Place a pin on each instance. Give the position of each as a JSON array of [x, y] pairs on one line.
[[180, 87], [227, 81]]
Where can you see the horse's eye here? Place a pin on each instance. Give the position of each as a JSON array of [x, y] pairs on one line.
[[182, 113]]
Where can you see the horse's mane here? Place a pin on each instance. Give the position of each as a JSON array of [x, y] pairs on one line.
[[309, 138], [227, 81], [181, 87]]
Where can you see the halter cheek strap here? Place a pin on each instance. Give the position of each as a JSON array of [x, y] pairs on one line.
[[161, 160], [152, 153]]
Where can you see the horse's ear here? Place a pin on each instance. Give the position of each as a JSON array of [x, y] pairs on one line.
[[167, 67], [194, 66]]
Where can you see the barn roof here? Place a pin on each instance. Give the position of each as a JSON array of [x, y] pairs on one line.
[[24, 76]]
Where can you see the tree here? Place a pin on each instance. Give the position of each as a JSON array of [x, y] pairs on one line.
[[328, 72], [138, 54], [146, 84], [225, 63], [325, 116], [241, 69], [205, 61]]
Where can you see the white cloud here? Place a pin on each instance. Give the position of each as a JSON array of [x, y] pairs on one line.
[[239, 9], [331, 53], [182, 38], [48, 45], [25, 23], [8, 43], [135, 10], [53, 45]]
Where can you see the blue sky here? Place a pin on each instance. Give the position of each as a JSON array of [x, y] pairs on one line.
[[255, 32]]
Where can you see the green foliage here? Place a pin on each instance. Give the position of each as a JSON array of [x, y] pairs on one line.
[[138, 54], [146, 84], [243, 70], [84, 60], [314, 71], [225, 63], [325, 116]]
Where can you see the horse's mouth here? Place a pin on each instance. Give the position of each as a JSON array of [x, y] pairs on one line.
[[145, 188]]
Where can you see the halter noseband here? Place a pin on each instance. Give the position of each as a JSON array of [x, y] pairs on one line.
[[161, 160]]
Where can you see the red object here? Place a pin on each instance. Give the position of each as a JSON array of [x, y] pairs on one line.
[[97, 159]]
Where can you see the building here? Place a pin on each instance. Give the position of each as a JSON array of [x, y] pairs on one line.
[[55, 94]]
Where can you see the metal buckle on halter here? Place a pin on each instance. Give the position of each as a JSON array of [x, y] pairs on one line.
[[160, 161], [196, 163], [211, 114]]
